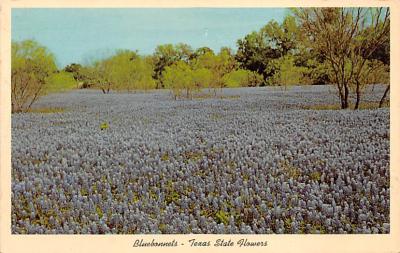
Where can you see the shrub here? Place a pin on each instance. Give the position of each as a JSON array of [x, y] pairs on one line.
[[31, 65], [285, 72], [242, 78], [60, 82], [179, 78]]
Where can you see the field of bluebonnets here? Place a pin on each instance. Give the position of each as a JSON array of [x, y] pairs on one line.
[[255, 160]]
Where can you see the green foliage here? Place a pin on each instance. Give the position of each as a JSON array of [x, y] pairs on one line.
[[315, 176], [222, 217], [125, 71], [282, 38], [349, 39], [286, 73], [179, 78], [60, 82], [99, 212], [258, 49], [316, 72], [167, 55], [31, 66], [104, 126], [46, 110], [242, 78], [76, 71], [202, 78]]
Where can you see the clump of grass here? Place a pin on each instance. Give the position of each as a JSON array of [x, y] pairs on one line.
[[104, 126], [208, 96], [222, 217], [192, 156], [362, 106], [216, 116], [165, 157], [99, 212], [46, 110], [290, 170], [316, 176], [162, 227]]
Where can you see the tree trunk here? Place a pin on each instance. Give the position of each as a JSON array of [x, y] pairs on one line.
[[384, 96], [346, 98], [358, 97]]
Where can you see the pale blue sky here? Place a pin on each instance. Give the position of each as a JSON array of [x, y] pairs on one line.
[[79, 35]]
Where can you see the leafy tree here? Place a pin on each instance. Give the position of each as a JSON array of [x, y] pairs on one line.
[[76, 70], [283, 39], [31, 65], [125, 70], [201, 51], [242, 78], [286, 73], [348, 37], [179, 78], [218, 65], [202, 78], [274, 40], [60, 82], [253, 52], [168, 54]]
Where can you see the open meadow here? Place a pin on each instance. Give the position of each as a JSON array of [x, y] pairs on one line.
[[251, 160]]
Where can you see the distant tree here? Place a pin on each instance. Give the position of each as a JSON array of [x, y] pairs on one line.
[[242, 78], [286, 72], [179, 78], [60, 82], [253, 52], [257, 49], [184, 52], [73, 68], [202, 78], [31, 65], [348, 37], [76, 70], [125, 70], [168, 54], [218, 65], [281, 38], [201, 51]]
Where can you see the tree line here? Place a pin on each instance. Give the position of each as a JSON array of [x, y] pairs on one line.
[[346, 47]]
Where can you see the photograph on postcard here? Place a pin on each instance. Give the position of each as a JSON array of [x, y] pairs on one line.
[[200, 120]]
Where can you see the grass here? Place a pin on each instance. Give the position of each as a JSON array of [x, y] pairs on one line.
[[208, 96], [363, 106], [46, 110], [290, 170]]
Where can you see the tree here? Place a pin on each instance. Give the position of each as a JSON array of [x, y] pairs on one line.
[[242, 78], [125, 70], [179, 78], [76, 70], [281, 38], [274, 40], [202, 78], [218, 65], [201, 51], [347, 37], [31, 65], [253, 52], [60, 82], [168, 54], [286, 72]]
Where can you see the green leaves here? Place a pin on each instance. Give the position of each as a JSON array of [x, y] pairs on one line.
[[31, 66], [104, 126], [243, 78], [222, 217]]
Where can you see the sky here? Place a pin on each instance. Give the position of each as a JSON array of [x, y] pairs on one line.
[[82, 35]]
